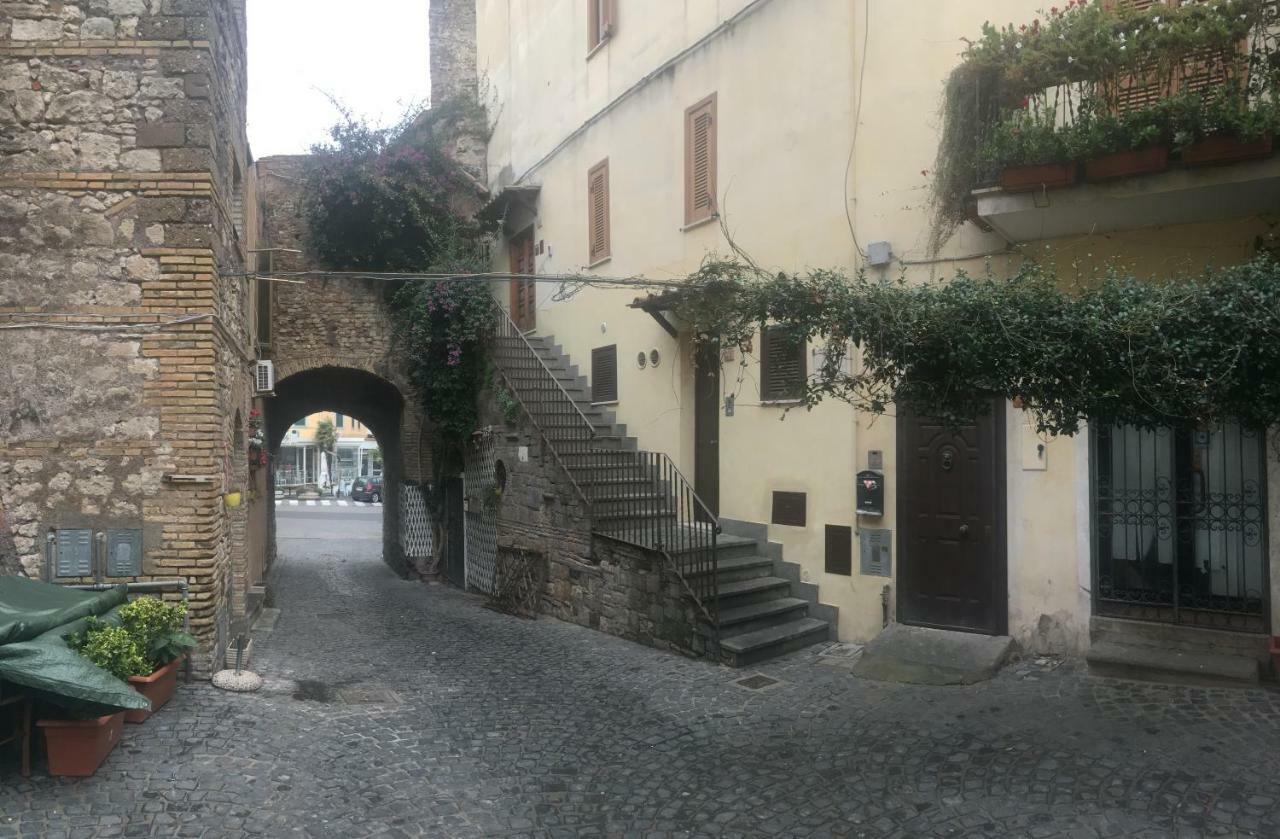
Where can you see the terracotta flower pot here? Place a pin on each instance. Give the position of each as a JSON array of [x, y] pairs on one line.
[[1125, 164], [1045, 176], [158, 688], [78, 747], [1226, 148]]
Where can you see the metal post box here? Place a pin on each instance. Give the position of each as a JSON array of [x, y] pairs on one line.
[[870, 493]]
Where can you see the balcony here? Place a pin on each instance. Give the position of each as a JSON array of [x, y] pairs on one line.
[[1114, 116]]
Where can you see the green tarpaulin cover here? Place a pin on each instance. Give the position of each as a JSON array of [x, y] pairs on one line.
[[35, 619]]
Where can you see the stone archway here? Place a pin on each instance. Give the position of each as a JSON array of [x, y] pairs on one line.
[[373, 400]]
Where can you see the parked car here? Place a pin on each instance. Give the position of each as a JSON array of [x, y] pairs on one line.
[[367, 489]]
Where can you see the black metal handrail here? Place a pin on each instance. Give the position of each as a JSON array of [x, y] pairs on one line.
[[643, 498], [563, 426]]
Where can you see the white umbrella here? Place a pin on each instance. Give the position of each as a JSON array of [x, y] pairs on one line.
[[323, 478]]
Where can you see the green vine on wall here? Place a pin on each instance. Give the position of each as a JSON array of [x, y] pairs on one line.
[[393, 200], [1181, 352]]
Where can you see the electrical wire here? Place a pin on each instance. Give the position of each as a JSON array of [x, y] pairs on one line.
[[86, 327], [576, 279], [857, 120]]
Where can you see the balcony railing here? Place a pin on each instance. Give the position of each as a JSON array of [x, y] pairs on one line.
[[1102, 91]]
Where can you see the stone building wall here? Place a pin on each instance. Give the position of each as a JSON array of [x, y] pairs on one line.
[[334, 348], [121, 125]]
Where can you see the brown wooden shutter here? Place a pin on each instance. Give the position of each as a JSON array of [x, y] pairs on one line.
[[700, 161], [1148, 85], [782, 365], [604, 374], [598, 212], [602, 18]]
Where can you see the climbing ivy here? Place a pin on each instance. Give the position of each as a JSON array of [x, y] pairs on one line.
[[393, 200], [1188, 351]]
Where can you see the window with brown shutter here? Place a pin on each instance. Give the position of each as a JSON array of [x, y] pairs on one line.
[[1149, 84], [700, 161], [604, 374], [602, 20], [782, 365], [598, 212]]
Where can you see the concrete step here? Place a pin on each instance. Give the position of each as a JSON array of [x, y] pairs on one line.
[[1191, 639], [772, 641], [747, 592], [761, 615], [731, 569], [922, 656], [1155, 664]]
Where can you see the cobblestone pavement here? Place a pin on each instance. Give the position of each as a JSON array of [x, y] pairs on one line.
[[398, 709]]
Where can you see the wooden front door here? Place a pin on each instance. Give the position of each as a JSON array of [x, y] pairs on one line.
[[523, 298], [706, 422], [951, 569]]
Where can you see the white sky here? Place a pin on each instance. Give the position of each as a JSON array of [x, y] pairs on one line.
[[371, 55]]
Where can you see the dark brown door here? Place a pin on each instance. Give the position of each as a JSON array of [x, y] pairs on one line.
[[523, 299], [706, 421], [951, 570]]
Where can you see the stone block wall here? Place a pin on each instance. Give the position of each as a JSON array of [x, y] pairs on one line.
[[591, 581], [121, 262]]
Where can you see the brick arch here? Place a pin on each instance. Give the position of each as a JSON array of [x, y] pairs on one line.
[[377, 401], [378, 365]]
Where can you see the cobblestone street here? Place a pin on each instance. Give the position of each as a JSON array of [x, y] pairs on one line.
[[399, 709]]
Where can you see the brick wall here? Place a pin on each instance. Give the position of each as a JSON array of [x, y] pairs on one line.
[[120, 259]]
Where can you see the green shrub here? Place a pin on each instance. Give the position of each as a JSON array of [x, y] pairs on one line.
[[112, 648], [156, 626]]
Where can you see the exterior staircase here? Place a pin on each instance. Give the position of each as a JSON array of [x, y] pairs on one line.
[[744, 595]]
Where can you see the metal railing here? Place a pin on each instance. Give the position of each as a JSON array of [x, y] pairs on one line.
[[637, 497], [642, 498], [563, 426]]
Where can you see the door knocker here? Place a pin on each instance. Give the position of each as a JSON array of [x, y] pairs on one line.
[[948, 460]]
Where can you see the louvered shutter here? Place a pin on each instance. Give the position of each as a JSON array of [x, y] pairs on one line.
[[1147, 85], [700, 161], [604, 374], [782, 365], [598, 212]]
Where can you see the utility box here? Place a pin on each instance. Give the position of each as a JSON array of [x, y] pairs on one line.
[[870, 493]]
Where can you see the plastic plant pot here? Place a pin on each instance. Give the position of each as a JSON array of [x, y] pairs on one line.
[[158, 688], [78, 747]]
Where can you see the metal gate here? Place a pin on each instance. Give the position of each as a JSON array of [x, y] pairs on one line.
[[1180, 530], [481, 515]]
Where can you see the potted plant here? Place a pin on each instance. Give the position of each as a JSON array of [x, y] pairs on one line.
[[1122, 145], [156, 627], [77, 747], [1029, 153], [1226, 129]]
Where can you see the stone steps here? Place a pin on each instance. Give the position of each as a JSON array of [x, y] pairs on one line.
[[1159, 652], [759, 616]]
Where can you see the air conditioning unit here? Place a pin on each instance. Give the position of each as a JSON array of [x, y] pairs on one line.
[[264, 377]]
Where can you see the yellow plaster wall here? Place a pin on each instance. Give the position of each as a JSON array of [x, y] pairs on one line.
[[793, 172]]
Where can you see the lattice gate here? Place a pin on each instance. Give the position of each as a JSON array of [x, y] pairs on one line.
[[481, 517], [415, 522]]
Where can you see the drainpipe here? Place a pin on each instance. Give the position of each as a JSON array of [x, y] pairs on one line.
[[884, 606]]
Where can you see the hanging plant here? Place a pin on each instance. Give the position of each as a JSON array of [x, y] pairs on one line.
[[1086, 82], [1182, 352]]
